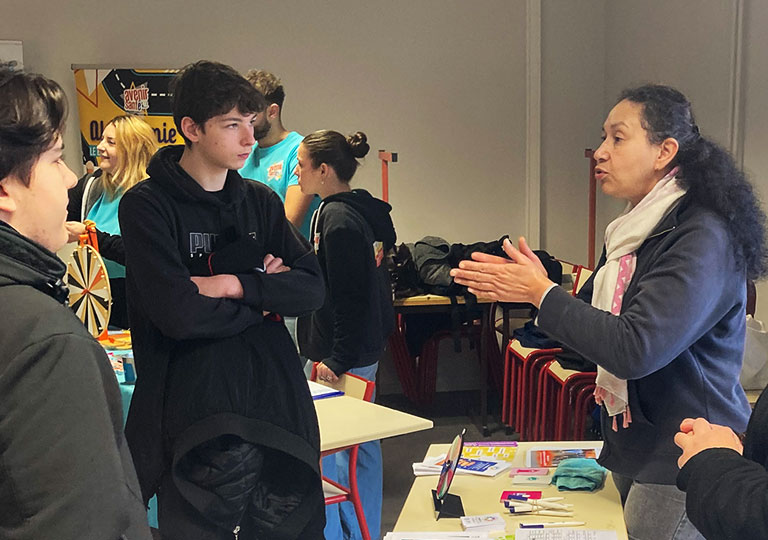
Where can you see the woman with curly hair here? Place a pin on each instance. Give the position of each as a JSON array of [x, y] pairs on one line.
[[663, 316], [126, 146]]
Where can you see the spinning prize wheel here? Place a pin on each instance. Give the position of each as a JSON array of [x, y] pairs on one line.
[[89, 293]]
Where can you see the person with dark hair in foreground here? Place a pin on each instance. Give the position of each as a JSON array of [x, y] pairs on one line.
[[726, 483], [663, 316], [352, 231], [65, 468], [222, 424]]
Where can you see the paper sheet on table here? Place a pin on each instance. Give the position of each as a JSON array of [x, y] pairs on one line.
[[436, 536], [320, 391], [564, 534]]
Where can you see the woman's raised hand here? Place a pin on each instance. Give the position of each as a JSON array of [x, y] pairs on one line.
[[521, 278]]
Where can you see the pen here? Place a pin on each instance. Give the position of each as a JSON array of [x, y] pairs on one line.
[[529, 509], [555, 513], [544, 498], [552, 525], [518, 508], [544, 503], [531, 499]]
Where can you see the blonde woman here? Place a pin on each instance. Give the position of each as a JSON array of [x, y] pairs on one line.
[[126, 146]]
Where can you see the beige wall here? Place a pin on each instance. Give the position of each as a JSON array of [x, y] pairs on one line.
[[755, 113], [694, 45], [688, 44], [440, 82], [572, 97]]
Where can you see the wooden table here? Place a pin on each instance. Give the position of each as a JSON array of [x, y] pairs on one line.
[[432, 303], [480, 495], [346, 421]]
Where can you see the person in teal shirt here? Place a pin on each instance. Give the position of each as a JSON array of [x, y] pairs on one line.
[[273, 159], [126, 146]]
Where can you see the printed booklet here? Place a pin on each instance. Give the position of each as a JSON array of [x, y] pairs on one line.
[[433, 465], [550, 457]]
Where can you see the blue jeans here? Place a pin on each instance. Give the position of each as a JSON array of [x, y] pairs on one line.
[[341, 521], [654, 511], [290, 325]]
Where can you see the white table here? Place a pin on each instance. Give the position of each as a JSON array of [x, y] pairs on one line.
[[346, 421], [480, 495]]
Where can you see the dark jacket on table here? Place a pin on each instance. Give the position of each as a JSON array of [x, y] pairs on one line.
[[678, 341], [82, 197], [212, 366], [65, 468], [351, 232], [727, 493]]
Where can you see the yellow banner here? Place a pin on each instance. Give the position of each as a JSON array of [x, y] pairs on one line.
[[105, 93]]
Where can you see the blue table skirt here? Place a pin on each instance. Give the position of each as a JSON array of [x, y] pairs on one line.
[[126, 391]]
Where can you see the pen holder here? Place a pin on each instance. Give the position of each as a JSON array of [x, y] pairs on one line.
[[449, 507]]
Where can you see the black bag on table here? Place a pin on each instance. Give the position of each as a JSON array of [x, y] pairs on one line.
[[425, 266]]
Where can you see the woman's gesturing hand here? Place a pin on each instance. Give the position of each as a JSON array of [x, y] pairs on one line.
[[521, 278]]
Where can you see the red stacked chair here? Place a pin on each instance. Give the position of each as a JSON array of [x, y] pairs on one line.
[[404, 363], [520, 366], [426, 371], [585, 401], [556, 401], [524, 372]]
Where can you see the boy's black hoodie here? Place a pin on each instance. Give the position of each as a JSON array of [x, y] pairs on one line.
[[351, 232], [211, 366]]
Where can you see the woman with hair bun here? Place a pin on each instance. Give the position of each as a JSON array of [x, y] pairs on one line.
[[663, 316], [126, 146], [351, 231]]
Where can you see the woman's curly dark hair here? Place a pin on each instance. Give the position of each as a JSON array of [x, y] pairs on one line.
[[708, 171]]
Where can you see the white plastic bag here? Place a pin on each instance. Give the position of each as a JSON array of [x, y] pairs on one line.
[[754, 369]]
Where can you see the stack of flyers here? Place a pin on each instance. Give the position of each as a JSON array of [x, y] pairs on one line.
[[467, 535], [433, 466], [496, 450], [483, 523], [551, 457]]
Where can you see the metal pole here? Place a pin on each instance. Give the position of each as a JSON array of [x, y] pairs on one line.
[[386, 158]]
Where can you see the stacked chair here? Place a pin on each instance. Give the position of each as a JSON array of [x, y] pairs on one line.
[[404, 364], [542, 400]]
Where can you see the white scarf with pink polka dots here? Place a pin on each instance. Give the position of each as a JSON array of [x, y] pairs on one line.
[[623, 237]]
